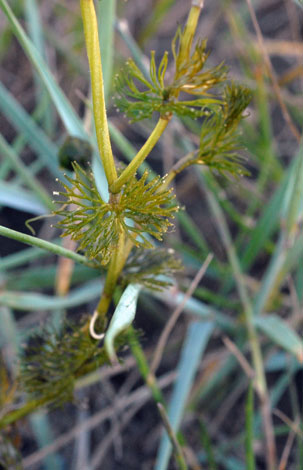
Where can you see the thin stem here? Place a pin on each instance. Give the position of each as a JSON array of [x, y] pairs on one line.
[[23, 411], [175, 315], [115, 267], [94, 58], [44, 245], [183, 163], [143, 367], [131, 169], [180, 460]]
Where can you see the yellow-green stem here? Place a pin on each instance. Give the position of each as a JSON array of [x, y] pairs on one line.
[[131, 169], [115, 267], [183, 163], [94, 59], [143, 367]]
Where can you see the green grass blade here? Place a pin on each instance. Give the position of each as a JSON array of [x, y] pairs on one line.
[[196, 307], [9, 334], [64, 108], [207, 447], [35, 137], [20, 199], [267, 223], [34, 302], [21, 257], [249, 428], [35, 28], [26, 175], [288, 250], [193, 232], [162, 7], [292, 210], [195, 343], [42, 277], [299, 282], [34, 25], [280, 333], [44, 435]]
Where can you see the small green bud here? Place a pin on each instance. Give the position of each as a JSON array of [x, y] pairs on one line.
[[74, 149]]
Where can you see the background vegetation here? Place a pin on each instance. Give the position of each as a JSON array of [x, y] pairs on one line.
[[198, 336]]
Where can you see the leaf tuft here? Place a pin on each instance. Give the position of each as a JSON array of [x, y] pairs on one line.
[[141, 208], [151, 268], [53, 359], [139, 97]]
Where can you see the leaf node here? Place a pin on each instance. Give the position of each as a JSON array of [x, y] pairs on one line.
[[139, 97], [141, 208]]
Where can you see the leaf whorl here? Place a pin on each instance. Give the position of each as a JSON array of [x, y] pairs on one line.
[[142, 208]]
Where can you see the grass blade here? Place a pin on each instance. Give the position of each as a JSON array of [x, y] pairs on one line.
[[64, 108], [195, 343], [35, 28], [249, 427], [208, 447], [35, 137], [26, 175], [32, 302], [19, 198], [280, 333]]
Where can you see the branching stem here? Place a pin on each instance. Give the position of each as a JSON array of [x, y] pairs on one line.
[[181, 164], [131, 169]]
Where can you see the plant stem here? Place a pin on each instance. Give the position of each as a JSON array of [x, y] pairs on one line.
[[180, 460], [143, 367], [183, 163], [44, 245], [15, 415], [115, 267], [183, 56], [131, 169], [94, 58]]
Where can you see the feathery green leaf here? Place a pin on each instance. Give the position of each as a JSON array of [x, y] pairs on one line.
[[142, 208], [151, 268]]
